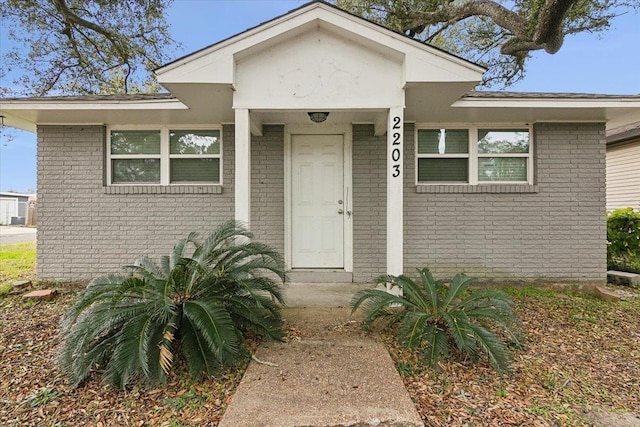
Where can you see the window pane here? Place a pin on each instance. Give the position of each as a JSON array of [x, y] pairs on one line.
[[502, 169], [443, 141], [135, 170], [492, 141], [195, 170], [135, 142], [194, 142], [443, 170]]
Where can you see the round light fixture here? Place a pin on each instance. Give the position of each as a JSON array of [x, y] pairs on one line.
[[318, 116]]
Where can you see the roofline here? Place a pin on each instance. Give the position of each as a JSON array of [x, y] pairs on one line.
[[546, 100], [172, 64], [623, 137], [481, 94], [76, 103]]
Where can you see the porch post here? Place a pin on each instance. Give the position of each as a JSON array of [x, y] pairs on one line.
[[243, 166], [395, 177]]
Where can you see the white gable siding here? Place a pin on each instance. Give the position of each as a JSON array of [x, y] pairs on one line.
[[623, 176], [318, 70]]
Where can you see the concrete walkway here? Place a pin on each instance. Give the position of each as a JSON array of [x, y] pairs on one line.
[[330, 373]]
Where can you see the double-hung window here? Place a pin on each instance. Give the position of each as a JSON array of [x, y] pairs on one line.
[[164, 156], [474, 155], [503, 155], [443, 156]]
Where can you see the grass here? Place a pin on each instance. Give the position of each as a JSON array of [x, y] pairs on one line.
[[17, 261]]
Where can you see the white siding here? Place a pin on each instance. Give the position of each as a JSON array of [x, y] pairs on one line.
[[623, 176]]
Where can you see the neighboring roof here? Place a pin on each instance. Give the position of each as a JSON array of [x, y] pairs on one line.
[[545, 95], [623, 134], [96, 98], [12, 194], [292, 11]]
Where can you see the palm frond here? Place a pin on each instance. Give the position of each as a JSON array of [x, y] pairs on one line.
[[431, 288], [437, 346], [459, 284], [215, 325], [434, 317], [195, 303], [377, 303], [166, 348], [491, 345]]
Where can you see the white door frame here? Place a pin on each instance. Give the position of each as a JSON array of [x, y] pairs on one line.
[[320, 129]]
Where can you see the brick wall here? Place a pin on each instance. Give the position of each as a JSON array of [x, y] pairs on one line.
[[83, 232], [554, 230], [267, 187], [369, 204]]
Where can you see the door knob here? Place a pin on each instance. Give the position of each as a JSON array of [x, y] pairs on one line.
[[340, 211]]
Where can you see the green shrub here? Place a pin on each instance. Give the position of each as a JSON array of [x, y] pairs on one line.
[[196, 307], [623, 237], [432, 317]]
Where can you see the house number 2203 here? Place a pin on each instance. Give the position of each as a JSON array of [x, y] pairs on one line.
[[396, 152]]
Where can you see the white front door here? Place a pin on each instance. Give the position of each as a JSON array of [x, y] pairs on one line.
[[317, 188]]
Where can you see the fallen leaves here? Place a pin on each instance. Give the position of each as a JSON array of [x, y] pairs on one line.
[[33, 393], [580, 353]]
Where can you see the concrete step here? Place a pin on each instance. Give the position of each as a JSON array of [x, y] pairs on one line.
[[623, 278], [322, 294], [320, 276]]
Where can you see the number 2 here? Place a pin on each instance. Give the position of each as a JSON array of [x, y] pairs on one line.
[[396, 122]]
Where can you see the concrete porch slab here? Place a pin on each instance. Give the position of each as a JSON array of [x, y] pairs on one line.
[[331, 374], [322, 294]]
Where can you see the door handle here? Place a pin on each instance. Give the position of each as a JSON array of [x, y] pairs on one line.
[[340, 211]]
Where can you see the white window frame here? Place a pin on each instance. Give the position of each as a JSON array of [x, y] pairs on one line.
[[466, 155], [473, 155], [164, 156]]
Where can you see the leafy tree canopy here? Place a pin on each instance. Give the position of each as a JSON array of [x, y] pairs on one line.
[[500, 34], [83, 46]]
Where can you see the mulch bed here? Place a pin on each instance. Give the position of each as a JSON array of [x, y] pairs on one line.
[[581, 354]]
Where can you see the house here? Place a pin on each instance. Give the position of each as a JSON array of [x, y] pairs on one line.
[[623, 167], [351, 149], [14, 208]]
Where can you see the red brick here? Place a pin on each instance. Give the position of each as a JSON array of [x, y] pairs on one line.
[[607, 294], [44, 294]]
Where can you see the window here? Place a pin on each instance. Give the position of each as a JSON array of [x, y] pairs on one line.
[[135, 156], [443, 155], [194, 156], [164, 156], [503, 155], [474, 155]]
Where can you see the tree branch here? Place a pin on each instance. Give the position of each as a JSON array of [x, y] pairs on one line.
[[72, 18]]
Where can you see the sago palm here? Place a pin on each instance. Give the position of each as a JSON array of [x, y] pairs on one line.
[[433, 316], [196, 303]]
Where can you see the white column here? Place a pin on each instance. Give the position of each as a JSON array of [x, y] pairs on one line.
[[395, 177], [243, 167]]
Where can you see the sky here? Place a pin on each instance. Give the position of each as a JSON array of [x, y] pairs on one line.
[[608, 63]]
